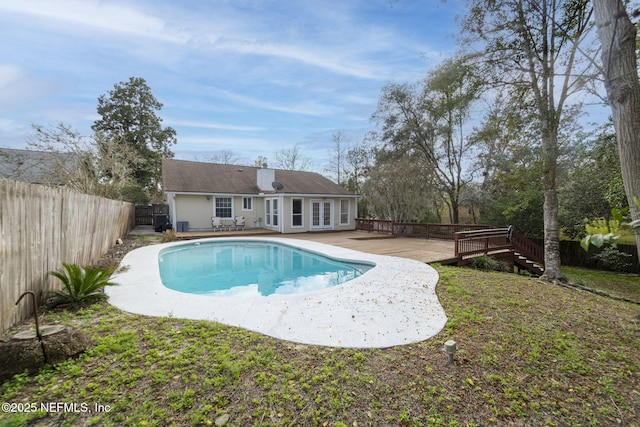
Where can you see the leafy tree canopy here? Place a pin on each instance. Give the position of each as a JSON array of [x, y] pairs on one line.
[[128, 115]]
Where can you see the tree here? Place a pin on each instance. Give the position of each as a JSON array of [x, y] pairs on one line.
[[359, 161], [76, 161], [509, 157], [597, 173], [225, 157], [619, 65], [536, 46], [337, 160], [260, 162], [128, 117], [291, 159], [428, 120], [393, 193]]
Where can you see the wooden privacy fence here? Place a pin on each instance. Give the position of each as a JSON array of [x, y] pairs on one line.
[[572, 254], [42, 227], [145, 213]]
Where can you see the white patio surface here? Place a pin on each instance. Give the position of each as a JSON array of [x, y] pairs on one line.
[[392, 304]]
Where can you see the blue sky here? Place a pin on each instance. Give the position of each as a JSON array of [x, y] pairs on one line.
[[249, 76]]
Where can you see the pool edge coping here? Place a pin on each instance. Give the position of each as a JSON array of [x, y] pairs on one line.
[[394, 303]]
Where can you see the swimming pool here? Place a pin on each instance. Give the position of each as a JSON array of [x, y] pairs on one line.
[[241, 267], [394, 303]]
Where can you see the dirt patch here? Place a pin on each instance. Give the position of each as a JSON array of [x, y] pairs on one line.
[[113, 257]]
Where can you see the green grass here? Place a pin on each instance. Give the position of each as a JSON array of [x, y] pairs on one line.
[[619, 284], [530, 353]]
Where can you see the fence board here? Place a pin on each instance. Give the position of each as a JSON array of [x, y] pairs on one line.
[[572, 254], [42, 227]]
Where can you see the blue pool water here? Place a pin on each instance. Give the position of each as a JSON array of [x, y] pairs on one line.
[[230, 268]]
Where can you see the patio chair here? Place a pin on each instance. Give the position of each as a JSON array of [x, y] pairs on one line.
[[239, 221], [216, 223]]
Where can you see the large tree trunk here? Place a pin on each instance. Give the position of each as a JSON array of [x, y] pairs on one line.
[[552, 262], [618, 38]]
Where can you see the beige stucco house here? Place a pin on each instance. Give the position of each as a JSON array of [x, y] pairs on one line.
[[280, 200]]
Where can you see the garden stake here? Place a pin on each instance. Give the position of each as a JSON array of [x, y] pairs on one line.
[[35, 310], [35, 314]]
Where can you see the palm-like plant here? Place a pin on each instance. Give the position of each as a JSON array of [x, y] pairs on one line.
[[81, 284]]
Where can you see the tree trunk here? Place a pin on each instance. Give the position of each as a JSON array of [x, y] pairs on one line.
[[618, 38], [455, 212], [552, 263]]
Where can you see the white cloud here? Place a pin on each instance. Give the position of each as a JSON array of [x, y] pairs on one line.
[[18, 89], [311, 55], [251, 76], [309, 108], [210, 125], [9, 74], [104, 16]]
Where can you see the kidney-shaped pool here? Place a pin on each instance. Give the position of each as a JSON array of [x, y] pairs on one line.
[[241, 267], [393, 303]]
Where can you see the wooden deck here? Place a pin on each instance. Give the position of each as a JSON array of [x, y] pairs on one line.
[[425, 250]]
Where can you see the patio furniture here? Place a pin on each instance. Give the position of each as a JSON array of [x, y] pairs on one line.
[[239, 222], [216, 223]]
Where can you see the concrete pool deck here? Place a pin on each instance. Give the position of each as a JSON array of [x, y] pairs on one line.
[[392, 304]]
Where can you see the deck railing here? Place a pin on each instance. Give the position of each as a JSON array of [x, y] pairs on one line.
[[471, 239], [481, 242], [526, 247], [412, 229], [492, 241]]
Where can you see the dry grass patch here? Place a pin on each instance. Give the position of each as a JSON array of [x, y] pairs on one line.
[[530, 354]]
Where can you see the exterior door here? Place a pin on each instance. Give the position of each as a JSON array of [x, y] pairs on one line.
[[271, 213], [322, 214]]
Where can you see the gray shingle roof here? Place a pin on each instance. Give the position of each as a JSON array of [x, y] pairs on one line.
[[199, 177], [35, 167]]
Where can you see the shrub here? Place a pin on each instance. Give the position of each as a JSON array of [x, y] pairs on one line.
[[612, 259], [487, 263], [81, 285]]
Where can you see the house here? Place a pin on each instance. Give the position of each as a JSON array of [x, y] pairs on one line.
[[36, 167], [279, 200]]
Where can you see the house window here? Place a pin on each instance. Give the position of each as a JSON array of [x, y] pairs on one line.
[[223, 207], [296, 213], [247, 203], [344, 211]]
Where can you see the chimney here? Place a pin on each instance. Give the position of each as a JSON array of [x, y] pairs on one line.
[[265, 178]]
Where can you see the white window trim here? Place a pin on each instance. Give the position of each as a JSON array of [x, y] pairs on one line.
[[301, 213], [214, 206], [251, 201], [348, 212]]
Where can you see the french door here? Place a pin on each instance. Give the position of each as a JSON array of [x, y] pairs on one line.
[[322, 214], [271, 212]]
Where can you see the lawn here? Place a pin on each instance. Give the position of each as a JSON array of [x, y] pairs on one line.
[[622, 285], [530, 353]]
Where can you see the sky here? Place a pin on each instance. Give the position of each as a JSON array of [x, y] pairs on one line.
[[248, 76]]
